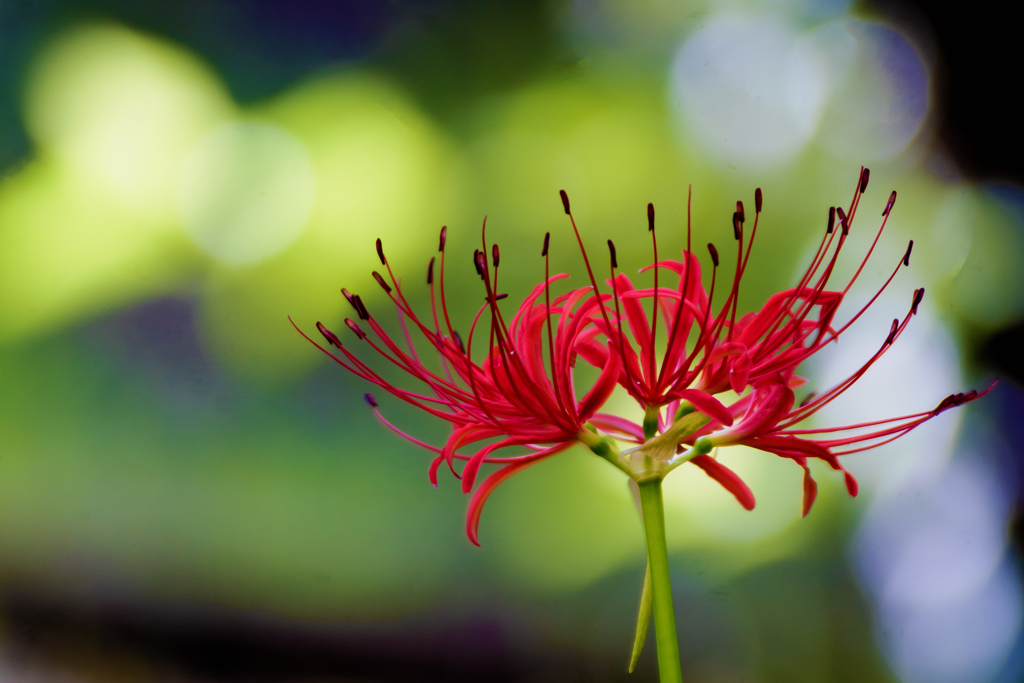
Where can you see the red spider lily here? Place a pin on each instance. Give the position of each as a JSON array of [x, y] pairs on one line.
[[509, 398], [767, 414], [727, 354], [760, 350]]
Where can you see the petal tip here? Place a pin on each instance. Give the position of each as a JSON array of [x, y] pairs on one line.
[[810, 493], [852, 487]]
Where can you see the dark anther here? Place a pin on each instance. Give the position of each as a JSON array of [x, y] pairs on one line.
[[650, 217], [954, 400], [328, 335], [481, 263], [547, 241], [888, 205], [357, 302], [495, 255], [864, 179], [714, 254], [499, 297], [380, 281], [476, 262], [906, 257], [458, 341], [444, 236], [831, 219], [354, 300], [892, 332], [808, 398], [945, 403], [430, 272], [842, 220], [611, 250], [355, 328], [757, 200], [740, 212], [565, 201], [918, 295], [736, 229], [380, 252], [370, 400]]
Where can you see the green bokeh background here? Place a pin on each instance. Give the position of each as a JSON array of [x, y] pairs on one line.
[[171, 450]]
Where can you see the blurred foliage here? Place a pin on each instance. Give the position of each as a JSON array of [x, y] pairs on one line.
[[165, 434]]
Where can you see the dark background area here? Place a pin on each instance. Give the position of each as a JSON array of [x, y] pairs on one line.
[[977, 65], [978, 62]]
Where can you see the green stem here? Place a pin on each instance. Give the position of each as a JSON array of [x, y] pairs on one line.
[[661, 585]]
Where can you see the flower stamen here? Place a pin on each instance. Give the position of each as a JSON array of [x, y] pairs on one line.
[[651, 362]]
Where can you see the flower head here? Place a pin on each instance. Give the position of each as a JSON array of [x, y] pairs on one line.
[[755, 356], [511, 397], [676, 352]]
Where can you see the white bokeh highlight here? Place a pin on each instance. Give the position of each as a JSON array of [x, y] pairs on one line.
[[246, 192], [753, 89], [749, 89], [966, 641], [879, 90], [935, 558], [936, 541]]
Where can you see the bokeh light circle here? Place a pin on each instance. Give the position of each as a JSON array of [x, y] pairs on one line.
[[120, 109], [246, 191], [934, 556], [967, 641], [880, 90], [749, 88]]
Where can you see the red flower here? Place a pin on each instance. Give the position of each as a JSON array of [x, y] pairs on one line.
[[727, 354], [767, 414], [516, 398], [760, 350], [511, 397]]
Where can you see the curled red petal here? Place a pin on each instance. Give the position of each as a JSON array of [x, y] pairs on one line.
[[773, 402], [774, 443], [433, 469], [707, 404], [639, 325], [739, 373], [472, 467], [727, 478], [603, 388], [593, 352], [469, 472], [463, 436], [614, 423], [810, 492], [852, 487], [476, 505], [726, 349]]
